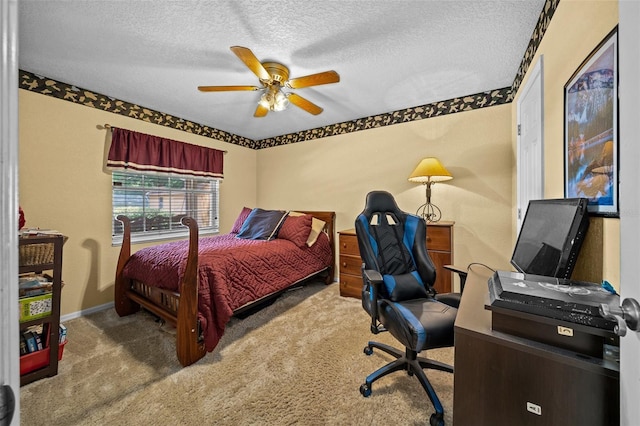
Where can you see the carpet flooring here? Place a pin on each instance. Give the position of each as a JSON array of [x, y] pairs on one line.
[[299, 361]]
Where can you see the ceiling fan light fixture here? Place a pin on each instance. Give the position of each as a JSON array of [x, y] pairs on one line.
[[274, 99], [273, 77], [281, 101], [264, 100]]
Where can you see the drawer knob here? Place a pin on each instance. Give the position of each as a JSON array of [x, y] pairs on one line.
[[344, 264]]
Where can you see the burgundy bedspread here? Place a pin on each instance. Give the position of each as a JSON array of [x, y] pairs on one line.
[[232, 272]]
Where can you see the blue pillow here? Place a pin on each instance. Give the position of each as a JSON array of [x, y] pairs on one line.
[[262, 224]]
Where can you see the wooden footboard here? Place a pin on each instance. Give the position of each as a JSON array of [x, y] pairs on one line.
[[189, 344], [181, 309], [123, 304]]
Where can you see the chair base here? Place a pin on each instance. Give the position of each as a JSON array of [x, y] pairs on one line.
[[414, 365]]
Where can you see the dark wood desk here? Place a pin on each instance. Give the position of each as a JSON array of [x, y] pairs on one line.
[[497, 375]]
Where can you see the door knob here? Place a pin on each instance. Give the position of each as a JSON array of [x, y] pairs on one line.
[[627, 315], [7, 404]]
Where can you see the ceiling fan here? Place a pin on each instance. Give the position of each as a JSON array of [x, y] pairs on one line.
[[273, 78]]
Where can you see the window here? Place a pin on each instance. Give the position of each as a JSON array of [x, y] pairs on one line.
[[156, 203]]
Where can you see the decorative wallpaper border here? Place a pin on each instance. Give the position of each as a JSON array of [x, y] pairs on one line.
[[436, 109], [67, 92], [544, 20]]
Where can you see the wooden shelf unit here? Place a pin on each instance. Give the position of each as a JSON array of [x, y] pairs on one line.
[[51, 323], [439, 246]]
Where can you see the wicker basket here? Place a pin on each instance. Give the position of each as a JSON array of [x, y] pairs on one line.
[[36, 254]]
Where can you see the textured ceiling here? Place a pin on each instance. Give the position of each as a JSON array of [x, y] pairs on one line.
[[390, 55]]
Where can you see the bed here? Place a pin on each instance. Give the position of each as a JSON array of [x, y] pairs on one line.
[[198, 284]]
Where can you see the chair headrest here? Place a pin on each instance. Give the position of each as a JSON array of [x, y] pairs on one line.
[[381, 202]]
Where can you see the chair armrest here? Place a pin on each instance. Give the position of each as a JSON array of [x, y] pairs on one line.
[[373, 279], [372, 276], [462, 273]]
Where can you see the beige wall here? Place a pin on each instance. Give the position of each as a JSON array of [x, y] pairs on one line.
[[336, 173], [576, 29], [63, 186]]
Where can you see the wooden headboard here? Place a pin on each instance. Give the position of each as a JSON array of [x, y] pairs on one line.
[[329, 218]]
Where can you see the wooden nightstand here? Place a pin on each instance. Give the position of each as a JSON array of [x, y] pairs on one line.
[[439, 247], [350, 264]]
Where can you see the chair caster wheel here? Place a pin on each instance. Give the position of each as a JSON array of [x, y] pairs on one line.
[[368, 350], [365, 390], [436, 419]]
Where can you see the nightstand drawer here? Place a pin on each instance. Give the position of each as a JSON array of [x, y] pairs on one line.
[[438, 238], [349, 244], [351, 265], [351, 285]]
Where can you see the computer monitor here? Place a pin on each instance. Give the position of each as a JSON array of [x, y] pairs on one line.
[[551, 237]]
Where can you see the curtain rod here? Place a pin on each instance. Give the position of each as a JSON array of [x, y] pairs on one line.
[[108, 126]]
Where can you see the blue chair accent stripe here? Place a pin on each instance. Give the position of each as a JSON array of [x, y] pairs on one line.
[[372, 241], [389, 283], [410, 230], [418, 278]]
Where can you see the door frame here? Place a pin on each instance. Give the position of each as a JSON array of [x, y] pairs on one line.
[[9, 332], [629, 125], [535, 74]]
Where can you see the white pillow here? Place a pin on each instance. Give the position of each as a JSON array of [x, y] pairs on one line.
[[317, 226]]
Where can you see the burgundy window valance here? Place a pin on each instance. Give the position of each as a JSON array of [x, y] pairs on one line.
[[146, 153]]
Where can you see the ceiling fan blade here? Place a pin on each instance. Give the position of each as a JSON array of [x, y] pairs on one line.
[[326, 77], [305, 104], [251, 61], [260, 111], [226, 88]]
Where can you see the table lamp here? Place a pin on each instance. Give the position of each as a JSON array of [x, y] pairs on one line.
[[429, 171]]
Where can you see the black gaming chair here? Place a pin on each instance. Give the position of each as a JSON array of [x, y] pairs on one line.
[[398, 292]]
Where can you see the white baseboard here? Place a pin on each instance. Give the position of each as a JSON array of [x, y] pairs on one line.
[[84, 312]]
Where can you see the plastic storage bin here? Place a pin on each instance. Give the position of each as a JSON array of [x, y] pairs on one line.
[[36, 360]]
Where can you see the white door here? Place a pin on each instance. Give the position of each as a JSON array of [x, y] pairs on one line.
[[629, 115], [9, 355], [530, 130]]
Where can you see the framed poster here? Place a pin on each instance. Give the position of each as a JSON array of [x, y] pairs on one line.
[[591, 129]]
